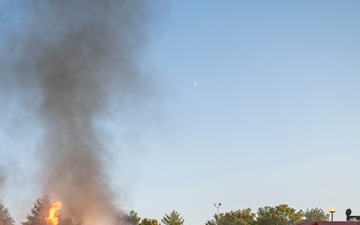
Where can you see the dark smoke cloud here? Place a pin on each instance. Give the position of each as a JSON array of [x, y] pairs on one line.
[[71, 52]]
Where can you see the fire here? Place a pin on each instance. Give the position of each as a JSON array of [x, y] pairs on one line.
[[53, 218]]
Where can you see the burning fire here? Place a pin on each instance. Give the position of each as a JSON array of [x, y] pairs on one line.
[[53, 218]]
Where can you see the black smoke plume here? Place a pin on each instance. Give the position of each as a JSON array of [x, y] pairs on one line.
[[72, 52]]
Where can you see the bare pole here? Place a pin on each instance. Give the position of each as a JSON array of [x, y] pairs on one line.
[[217, 206]]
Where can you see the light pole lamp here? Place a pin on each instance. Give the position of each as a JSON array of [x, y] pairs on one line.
[[217, 206], [332, 211]]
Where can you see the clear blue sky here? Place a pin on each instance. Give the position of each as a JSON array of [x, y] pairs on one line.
[[274, 118], [275, 115]]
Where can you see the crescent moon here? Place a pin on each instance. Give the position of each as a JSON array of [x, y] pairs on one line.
[[195, 84]]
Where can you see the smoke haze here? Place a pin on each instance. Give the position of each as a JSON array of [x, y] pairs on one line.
[[71, 52], [2, 177]]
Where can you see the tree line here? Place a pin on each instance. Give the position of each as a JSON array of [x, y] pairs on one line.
[[269, 215], [278, 215]]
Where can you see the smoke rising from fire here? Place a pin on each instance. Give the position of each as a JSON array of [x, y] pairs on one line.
[[72, 52]]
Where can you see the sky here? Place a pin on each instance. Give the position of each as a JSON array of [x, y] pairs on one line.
[[255, 103]]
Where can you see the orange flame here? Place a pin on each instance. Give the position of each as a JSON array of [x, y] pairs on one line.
[[53, 218]]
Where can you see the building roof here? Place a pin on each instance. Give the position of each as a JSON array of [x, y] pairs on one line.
[[332, 223]]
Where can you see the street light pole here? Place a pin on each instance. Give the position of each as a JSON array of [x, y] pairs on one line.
[[332, 211], [217, 206]]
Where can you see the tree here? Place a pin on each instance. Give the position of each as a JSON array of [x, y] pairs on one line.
[[244, 217], [132, 218], [278, 215], [238, 217], [5, 217], [39, 212], [315, 214], [173, 219], [147, 221], [216, 220]]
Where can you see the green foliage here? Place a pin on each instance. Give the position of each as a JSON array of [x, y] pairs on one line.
[[238, 217], [278, 215], [315, 214], [5, 217], [214, 221], [147, 221], [244, 217], [173, 219], [132, 218]]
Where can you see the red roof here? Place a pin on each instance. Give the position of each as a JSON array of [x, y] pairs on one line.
[[332, 223]]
